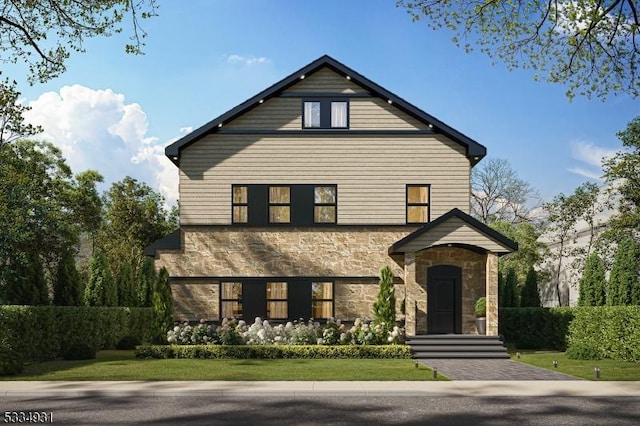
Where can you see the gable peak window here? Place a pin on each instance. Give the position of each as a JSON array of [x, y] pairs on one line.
[[325, 114]]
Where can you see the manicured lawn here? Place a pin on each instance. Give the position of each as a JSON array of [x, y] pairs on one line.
[[121, 365], [609, 369]]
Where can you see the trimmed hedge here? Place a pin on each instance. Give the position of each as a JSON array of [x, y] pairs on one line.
[[44, 332], [605, 332], [273, 351], [536, 328]]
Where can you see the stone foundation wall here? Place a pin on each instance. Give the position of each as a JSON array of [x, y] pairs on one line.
[[282, 252], [473, 282]]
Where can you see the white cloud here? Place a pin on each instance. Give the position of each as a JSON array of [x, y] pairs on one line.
[[589, 174], [97, 129], [592, 156], [246, 60]]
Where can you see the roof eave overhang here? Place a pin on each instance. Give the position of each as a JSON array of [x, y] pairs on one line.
[[474, 150]]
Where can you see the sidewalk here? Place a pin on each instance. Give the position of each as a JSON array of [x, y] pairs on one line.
[[309, 389]]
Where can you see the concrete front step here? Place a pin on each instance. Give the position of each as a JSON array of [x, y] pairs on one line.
[[457, 346], [460, 355]]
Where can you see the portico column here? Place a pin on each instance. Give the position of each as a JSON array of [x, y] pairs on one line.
[[412, 290], [492, 293]]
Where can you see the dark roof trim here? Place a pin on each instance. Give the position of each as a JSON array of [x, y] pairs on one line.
[[169, 242], [474, 223], [475, 151]]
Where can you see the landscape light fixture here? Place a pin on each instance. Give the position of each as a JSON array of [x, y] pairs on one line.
[[435, 373], [555, 364], [518, 355], [596, 372]]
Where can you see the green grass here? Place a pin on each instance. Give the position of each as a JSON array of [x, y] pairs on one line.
[[121, 365], [609, 369]]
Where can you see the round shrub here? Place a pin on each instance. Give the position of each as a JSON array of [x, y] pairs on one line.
[[79, 351], [11, 361], [128, 343]]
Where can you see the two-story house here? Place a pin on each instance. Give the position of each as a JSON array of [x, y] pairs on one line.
[[292, 202]]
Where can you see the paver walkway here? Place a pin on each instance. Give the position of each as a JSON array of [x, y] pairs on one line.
[[492, 369]]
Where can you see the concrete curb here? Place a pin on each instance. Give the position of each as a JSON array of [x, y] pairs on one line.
[[49, 389]]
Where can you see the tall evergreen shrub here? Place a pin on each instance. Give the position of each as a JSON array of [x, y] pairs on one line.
[[126, 285], [511, 290], [100, 289], [623, 281], [146, 280], [162, 307], [67, 289], [592, 282], [530, 297], [384, 308]]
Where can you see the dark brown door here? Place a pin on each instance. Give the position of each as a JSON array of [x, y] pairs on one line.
[[444, 300]]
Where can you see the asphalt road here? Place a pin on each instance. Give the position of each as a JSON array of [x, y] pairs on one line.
[[322, 410]]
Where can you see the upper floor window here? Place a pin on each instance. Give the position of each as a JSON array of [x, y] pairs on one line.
[[418, 203], [279, 204], [240, 202], [325, 203], [298, 205], [325, 114]]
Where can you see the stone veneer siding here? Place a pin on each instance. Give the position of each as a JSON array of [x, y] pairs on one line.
[[195, 300], [210, 253], [473, 284], [283, 252]]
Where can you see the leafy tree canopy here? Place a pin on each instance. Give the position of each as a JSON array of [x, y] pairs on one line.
[[12, 125], [43, 34], [134, 217], [592, 46], [622, 172]]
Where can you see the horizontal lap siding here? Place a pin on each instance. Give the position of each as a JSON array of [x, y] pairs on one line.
[[453, 231], [324, 81], [371, 173], [376, 113], [273, 114]]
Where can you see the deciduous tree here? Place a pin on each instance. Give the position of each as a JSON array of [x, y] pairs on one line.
[[497, 193], [134, 217], [43, 34], [591, 46]]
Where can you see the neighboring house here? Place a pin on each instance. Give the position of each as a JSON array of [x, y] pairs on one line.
[[580, 242], [291, 202]]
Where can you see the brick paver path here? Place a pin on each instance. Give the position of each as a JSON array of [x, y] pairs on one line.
[[492, 369]]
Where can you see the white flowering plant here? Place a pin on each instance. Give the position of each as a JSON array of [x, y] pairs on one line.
[[261, 332]]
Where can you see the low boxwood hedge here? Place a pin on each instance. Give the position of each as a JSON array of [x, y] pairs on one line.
[[273, 351], [605, 332], [43, 332]]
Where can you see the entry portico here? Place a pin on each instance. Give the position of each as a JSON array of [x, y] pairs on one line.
[[448, 264]]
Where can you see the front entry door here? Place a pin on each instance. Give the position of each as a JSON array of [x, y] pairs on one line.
[[444, 300]]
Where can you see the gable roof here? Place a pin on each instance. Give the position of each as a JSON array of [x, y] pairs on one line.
[[428, 236], [475, 151]]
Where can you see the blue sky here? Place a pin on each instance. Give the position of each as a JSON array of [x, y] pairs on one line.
[[115, 112]]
